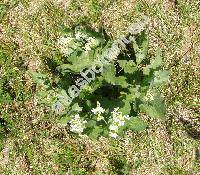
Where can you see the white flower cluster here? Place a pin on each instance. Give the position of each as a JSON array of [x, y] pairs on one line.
[[80, 36], [77, 125], [66, 45], [91, 43], [98, 111], [118, 119]]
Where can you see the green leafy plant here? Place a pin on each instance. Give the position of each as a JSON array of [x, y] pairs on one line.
[[105, 100]]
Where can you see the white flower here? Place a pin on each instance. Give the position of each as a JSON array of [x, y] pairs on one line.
[[87, 48], [65, 41], [100, 117], [79, 35], [77, 125], [120, 122], [127, 117], [115, 112], [77, 117], [118, 118], [66, 45], [98, 109], [113, 127], [91, 42], [113, 135]]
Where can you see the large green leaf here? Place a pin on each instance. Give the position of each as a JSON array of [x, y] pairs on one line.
[[79, 62], [136, 124], [63, 97], [126, 108], [74, 67], [141, 47], [128, 66], [91, 123], [64, 120], [156, 109], [161, 77], [97, 130], [76, 107], [39, 78], [140, 56], [109, 73], [135, 91], [155, 63], [121, 81], [146, 70]]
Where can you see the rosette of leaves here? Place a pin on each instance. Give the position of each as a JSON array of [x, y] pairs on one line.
[[130, 82]]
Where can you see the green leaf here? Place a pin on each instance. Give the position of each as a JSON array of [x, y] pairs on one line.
[[155, 63], [160, 77], [78, 67], [64, 120], [135, 91], [128, 66], [146, 70], [78, 62], [155, 109], [39, 78], [95, 132], [145, 44], [121, 81], [63, 97], [109, 73], [140, 57], [66, 31], [76, 107], [137, 124], [126, 108], [91, 123], [141, 47], [150, 110], [134, 44]]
